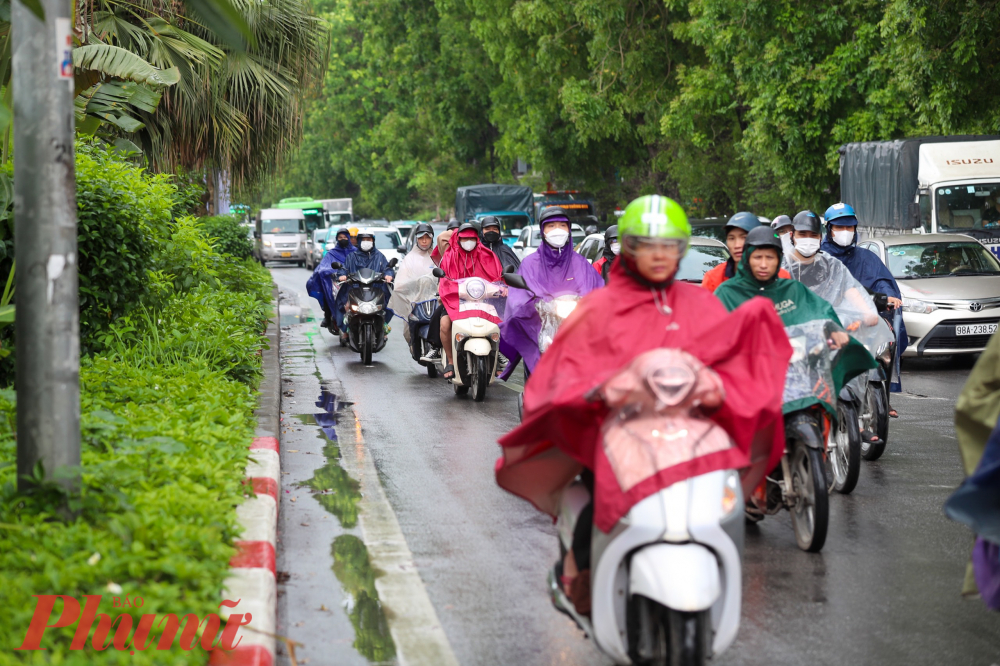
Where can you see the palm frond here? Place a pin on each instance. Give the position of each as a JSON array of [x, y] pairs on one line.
[[114, 61]]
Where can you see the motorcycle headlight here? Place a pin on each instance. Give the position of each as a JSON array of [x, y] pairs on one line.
[[354, 307], [368, 308], [476, 289], [565, 308], [918, 306]]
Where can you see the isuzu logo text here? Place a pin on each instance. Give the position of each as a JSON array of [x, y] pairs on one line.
[[120, 628], [977, 160]]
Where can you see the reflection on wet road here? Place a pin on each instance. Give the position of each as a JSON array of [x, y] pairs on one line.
[[885, 589]]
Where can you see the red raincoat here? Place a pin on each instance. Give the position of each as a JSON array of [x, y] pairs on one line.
[[458, 264], [748, 348]]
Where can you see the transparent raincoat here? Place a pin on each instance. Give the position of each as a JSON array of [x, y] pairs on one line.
[[407, 294]]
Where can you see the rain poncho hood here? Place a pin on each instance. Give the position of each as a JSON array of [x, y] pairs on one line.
[[458, 264], [560, 433], [320, 284], [796, 305], [550, 273], [372, 259]]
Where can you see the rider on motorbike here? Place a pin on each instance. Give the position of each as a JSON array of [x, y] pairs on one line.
[[555, 270], [736, 231], [366, 257], [492, 240], [641, 309], [320, 283], [611, 249]]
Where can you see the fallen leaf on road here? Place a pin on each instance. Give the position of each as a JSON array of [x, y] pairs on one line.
[[293, 450], [293, 499], [323, 607], [304, 524]]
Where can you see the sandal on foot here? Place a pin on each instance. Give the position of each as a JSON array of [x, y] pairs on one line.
[[893, 414], [868, 437], [448, 368]]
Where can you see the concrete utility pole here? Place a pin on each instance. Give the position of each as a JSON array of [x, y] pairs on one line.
[[48, 318]]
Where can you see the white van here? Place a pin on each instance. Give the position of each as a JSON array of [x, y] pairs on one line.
[[281, 236]]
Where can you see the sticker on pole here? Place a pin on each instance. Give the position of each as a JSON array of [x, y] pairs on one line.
[[64, 49]]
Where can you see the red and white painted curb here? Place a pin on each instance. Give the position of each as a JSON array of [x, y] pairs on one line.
[[252, 576]]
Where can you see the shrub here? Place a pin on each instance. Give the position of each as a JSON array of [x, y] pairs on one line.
[[121, 213], [228, 235]]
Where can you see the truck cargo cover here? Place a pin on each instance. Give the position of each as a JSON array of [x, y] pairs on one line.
[[473, 199], [879, 178]]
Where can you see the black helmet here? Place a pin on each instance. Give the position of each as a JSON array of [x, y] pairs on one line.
[[488, 221], [592, 229], [343, 230], [468, 225], [452, 224], [549, 213], [781, 222], [423, 229], [807, 221], [611, 234], [763, 237]]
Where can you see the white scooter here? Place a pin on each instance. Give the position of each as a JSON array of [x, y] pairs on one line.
[[475, 339], [666, 581]]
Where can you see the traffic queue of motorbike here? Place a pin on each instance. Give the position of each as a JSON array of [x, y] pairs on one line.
[[658, 419]]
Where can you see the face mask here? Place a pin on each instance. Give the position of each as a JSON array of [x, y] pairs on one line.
[[469, 245], [343, 242], [843, 238], [786, 243], [616, 248], [366, 245], [807, 247], [556, 237], [491, 236]]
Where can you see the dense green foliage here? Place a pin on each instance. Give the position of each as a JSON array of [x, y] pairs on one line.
[[723, 104], [228, 235]]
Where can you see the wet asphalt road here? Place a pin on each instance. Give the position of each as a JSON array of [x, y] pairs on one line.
[[885, 589]]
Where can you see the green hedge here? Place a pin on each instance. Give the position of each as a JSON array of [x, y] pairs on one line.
[[167, 400]]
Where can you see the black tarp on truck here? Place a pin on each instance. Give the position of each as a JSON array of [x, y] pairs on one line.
[[471, 200], [879, 178]]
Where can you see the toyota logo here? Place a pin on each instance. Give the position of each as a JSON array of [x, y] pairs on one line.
[[975, 307]]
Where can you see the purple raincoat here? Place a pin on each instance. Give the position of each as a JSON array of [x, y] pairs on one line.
[[549, 273]]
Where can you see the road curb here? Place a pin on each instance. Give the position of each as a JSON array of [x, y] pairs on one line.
[[252, 575]]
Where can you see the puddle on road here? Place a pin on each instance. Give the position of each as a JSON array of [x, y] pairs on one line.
[[339, 494]]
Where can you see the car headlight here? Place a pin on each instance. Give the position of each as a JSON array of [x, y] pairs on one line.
[[918, 306], [368, 308], [267, 243]]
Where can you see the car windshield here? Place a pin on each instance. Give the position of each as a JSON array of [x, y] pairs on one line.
[[964, 207], [699, 260], [936, 259], [320, 235], [289, 226], [386, 240]]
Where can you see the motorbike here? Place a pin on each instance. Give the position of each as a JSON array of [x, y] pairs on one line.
[[475, 339], [422, 294], [552, 312], [666, 581], [799, 484], [364, 329], [873, 412]]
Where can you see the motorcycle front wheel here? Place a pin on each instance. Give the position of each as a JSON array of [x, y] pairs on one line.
[[661, 636], [844, 455], [877, 419], [480, 366], [367, 342], [811, 511]]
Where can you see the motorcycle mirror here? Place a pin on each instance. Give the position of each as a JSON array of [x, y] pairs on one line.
[[515, 280], [509, 269], [393, 262], [336, 265], [438, 273]]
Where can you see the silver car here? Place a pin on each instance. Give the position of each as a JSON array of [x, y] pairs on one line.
[[951, 290], [703, 254]]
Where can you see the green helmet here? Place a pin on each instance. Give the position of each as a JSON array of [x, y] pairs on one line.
[[654, 216]]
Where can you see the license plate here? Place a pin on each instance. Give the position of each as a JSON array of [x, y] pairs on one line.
[[288, 254], [976, 329]]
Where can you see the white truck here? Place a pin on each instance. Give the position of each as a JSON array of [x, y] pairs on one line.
[[338, 212], [935, 184]]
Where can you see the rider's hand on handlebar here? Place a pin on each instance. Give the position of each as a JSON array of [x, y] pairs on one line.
[[894, 302], [388, 278], [342, 278]]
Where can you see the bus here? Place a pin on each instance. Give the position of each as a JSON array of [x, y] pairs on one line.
[[311, 209]]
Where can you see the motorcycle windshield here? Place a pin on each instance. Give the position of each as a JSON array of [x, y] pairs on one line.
[[657, 420], [553, 313], [476, 295], [809, 380], [407, 294]]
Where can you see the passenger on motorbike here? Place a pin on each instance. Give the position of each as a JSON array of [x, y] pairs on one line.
[[611, 249], [464, 259], [841, 242], [555, 270], [320, 285], [443, 240], [492, 240], [736, 231], [782, 226], [642, 308], [366, 257], [413, 281]]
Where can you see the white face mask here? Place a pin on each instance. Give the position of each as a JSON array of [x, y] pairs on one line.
[[843, 238], [469, 245], [807, 247], [786, 244], [616, 248], [366, 245], [556, 237]]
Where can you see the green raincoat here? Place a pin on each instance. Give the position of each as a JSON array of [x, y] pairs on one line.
[[797, 305]]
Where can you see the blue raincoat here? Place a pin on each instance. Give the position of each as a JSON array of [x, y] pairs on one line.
[[374, 260], [869, 270], [320, 284]]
